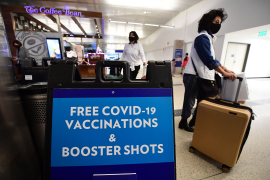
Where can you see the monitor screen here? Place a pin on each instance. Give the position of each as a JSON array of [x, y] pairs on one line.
[[54, 48]]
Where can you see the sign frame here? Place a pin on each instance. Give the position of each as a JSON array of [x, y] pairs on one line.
[[65, 75]]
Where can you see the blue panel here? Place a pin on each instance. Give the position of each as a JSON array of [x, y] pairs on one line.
[[119, 51], [73, 93], [178, 64], [116, 177], [112, 130], [159, 171]]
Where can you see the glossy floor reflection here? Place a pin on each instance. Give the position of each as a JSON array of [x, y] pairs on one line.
[[254, 161]]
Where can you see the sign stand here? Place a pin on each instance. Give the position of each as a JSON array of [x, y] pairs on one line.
[[104, 129]]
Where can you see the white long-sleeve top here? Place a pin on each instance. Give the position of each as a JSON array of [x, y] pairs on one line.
[[133, 53]]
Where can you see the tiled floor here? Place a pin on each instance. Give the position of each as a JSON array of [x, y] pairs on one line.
[[254, 161]]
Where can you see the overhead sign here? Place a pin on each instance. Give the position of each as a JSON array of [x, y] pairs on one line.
[[262, 33], [112, 131], [52, 11]]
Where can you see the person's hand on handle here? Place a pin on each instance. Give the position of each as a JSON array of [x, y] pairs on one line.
[[228, 71], [231, 76], [225, 73], [144, 63]]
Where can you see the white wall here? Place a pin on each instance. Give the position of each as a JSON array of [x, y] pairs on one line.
[[166, 54], [188, 48], [242, 14], [258, 61]]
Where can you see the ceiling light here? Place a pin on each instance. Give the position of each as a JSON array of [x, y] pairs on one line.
[[118, 22], [96, 25], [135, 23], [151, 24], [167, 26]]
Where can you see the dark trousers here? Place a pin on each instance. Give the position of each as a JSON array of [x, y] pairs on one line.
[[133, 74], [193, 90], [200, 96]]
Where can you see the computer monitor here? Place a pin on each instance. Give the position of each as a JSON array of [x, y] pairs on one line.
[[54, 48]]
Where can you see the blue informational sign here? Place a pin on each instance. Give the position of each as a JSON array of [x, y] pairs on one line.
[[119, 51], [107, 131], [178, 57]]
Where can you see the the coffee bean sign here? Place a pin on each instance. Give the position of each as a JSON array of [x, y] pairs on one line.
[[52, 11], [34, 42]]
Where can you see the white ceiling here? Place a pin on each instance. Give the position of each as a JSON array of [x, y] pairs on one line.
[[143, 11]]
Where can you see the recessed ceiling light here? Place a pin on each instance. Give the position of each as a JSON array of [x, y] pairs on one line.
[[118, 22], [166, 26], [135, 23], [151, 24]]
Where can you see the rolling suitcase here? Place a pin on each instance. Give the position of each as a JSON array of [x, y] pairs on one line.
[[222, 128]]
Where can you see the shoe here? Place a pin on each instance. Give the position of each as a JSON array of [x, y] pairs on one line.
[[184, 125]]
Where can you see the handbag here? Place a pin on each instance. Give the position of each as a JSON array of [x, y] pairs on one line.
[[210, 88]]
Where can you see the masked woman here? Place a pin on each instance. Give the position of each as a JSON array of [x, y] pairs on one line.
[[134, 54]]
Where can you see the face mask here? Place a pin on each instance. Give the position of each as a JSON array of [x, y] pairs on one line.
[[18, 46], [131, 39], [215, 28]]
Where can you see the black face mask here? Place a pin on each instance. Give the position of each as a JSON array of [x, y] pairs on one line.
[[215, 28], [131, 39], [18, 46]]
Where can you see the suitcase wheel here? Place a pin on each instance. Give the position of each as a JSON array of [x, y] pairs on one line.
[[192, 149], [225, 168]]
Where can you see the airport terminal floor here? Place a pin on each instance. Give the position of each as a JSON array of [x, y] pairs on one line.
[[254, 161]]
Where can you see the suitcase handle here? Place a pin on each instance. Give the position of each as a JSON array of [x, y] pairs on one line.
[[238, 89], [218, 99], [240, 78], [101, 64]]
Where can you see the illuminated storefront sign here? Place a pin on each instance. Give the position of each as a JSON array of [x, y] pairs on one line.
[[52, 11]]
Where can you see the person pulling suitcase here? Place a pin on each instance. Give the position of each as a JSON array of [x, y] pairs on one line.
[[204, 60]]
